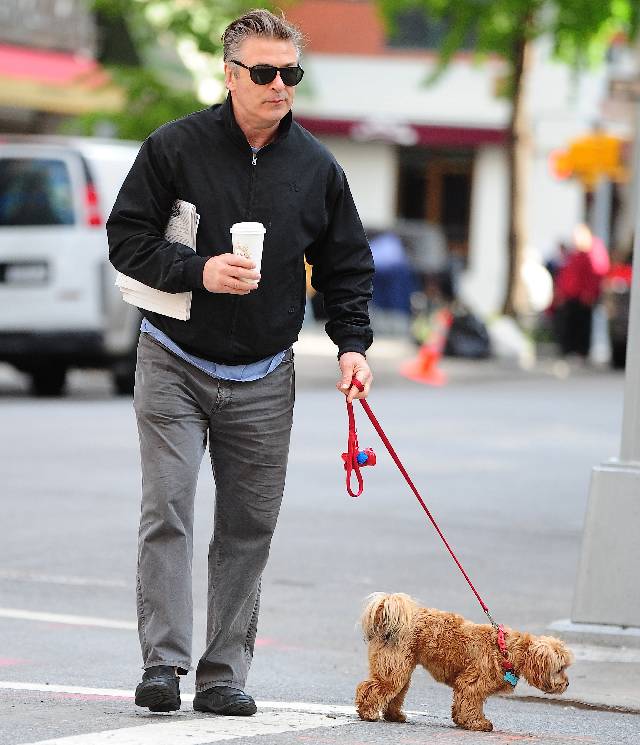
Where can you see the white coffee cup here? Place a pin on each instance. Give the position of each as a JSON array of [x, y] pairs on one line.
[[247, 239]]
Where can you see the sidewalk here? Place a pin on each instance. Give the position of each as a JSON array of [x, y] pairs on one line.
[[316, 363], [602, 677]]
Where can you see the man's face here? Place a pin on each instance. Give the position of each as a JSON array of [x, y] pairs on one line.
[[261, 106]]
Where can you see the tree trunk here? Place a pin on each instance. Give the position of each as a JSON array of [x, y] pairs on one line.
[[519, 154]]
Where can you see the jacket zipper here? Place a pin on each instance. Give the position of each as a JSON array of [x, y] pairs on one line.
[[252, 181], [254, 163]]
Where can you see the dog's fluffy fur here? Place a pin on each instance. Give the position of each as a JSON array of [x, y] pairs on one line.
[[462, 654]]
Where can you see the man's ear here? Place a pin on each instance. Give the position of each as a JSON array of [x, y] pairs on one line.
[[229, 78]]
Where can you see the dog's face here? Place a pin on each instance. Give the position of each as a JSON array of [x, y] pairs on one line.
[[545, 664]]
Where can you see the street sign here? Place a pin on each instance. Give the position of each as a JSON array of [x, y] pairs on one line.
[[590, 158]]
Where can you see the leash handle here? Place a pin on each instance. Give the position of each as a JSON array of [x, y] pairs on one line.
[[350, 458]]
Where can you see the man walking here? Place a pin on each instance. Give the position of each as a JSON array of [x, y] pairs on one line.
[[226, 374]]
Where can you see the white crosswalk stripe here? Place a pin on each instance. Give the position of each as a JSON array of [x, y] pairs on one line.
[[273, 717], [202, 730], [64, 618]]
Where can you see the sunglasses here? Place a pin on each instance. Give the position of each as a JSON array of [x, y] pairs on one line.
[[265, 74]]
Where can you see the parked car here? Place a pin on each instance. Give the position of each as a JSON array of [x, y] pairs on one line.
[[616, 293], [59, 308]]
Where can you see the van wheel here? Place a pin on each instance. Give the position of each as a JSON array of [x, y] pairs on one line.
[[124, 382], [49, 381]]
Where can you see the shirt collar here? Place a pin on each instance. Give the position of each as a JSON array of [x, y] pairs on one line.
[[224, 114]]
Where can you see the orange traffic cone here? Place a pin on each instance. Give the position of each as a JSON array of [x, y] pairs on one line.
[[424, 369]]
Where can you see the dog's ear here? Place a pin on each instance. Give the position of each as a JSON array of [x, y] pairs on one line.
[[545, 662]]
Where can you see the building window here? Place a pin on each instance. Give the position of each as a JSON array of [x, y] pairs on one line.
[[414, 29], [435, 186]]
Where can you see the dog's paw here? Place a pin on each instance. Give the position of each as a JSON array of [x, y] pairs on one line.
[[394, 716], [478, 725], [367, 715]]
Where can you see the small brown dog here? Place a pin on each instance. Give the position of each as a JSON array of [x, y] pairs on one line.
[[462, 654]]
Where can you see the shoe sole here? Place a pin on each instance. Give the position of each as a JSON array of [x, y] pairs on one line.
[[231, 710], [157, 697]]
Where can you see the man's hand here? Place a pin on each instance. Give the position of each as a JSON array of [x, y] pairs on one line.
[[227, 272], [354, 363]]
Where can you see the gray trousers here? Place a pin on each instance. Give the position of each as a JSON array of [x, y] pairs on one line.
[[248, 426]]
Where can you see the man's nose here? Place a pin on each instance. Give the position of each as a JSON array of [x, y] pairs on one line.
[[277, 82]]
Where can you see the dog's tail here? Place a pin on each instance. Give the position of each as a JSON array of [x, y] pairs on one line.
[[388, 618]]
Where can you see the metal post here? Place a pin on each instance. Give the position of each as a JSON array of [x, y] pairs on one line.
[[607, 586], [630, 446]]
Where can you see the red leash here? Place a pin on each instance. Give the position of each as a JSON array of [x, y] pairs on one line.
[[353, 461]]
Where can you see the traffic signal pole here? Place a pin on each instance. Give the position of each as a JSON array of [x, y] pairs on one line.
[[608, 585]]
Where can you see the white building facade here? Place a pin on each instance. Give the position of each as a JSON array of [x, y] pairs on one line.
[[437, 151]]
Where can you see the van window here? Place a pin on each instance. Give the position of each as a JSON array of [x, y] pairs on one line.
[[35, 192]]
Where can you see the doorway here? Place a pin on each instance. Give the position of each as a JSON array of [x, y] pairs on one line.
[[435, 186]]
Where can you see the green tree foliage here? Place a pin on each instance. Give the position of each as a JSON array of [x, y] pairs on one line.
[[580, 30], [201, 21], [149, 103], [151, 100]]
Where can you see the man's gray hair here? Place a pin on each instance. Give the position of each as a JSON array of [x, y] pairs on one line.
[[259, 22]]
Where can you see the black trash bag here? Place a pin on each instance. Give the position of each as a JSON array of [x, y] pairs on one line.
[[467, 337]]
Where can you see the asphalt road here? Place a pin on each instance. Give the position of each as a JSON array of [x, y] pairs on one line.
[[502, 461]]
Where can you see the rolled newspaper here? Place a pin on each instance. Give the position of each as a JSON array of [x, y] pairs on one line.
[[182, 227]]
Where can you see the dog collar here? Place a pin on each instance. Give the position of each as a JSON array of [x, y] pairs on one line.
[[510, 674]]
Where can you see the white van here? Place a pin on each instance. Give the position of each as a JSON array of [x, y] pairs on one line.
[[59, 307]]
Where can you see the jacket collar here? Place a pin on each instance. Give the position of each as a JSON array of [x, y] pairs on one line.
[[224, 114]]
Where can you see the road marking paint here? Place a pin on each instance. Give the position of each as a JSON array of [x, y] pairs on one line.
[[273, 717], [12, 685], [331, 709], [61, 579], [105, 623], [265, 641], [8, 661], [201, 730]]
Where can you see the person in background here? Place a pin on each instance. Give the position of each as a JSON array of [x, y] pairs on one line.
[[554, 313], [578, 285], [394, 280]]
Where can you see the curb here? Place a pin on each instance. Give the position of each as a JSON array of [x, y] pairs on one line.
[[602, 635]]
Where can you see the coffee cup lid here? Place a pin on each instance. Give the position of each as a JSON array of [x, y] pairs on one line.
[[248, 227]]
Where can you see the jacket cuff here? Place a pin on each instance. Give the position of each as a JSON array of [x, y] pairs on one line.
[[352, 345], [192, 269]]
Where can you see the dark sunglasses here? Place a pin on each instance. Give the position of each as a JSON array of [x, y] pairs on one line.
[[264, 74]]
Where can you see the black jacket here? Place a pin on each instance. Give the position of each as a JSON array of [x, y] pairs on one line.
[[295, 188]]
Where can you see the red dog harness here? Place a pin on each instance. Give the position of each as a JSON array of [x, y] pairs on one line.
[[510, 673]]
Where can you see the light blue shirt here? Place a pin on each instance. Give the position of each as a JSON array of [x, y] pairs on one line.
[[240, 373]]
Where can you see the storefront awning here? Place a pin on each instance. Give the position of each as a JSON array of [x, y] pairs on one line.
[[403, 133], [57, 82]]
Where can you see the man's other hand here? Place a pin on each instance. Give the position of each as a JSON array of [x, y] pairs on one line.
[[354, 363], [228, 272]]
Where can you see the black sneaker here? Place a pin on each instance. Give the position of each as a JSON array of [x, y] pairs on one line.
[[230, 702], [159, 689]]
